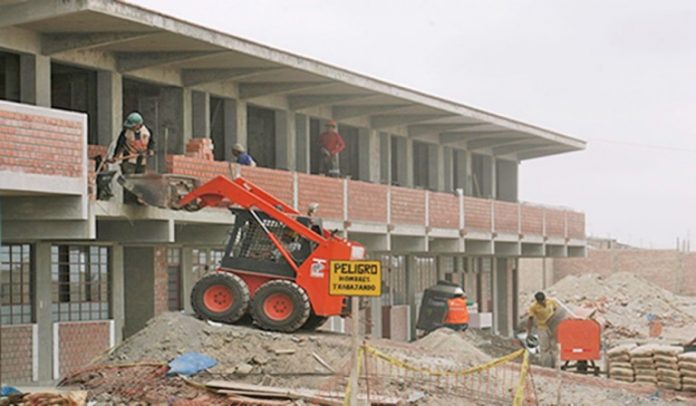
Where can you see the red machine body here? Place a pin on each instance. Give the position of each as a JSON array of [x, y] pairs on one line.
[[263, 212], [579, 339]]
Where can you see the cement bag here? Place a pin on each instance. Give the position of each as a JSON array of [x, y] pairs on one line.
[[687, 356], [619, 350], [688, 380], [669, 385], [687, 366], [624, 378], [665, 358], [643, 351], [645, 372], [668, 350], [624, 365], [621, 372], [624, 357], [643, 362], [668, 373], [646, 379], [689, 388], [667, 365]]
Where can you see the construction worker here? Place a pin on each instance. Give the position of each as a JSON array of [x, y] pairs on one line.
[[243, 157], [457, 317], [135, 143], [331, 144], [541, 311]]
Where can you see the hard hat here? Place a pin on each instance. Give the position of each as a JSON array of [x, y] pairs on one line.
[[312, 207], [459, 292], [238, 147], [532, 341], [331, 122], [132, 120]]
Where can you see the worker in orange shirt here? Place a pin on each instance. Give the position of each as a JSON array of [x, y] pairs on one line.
[[331, 144], [457, 317]]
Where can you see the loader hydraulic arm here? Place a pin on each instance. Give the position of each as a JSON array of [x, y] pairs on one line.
[[223, 192]]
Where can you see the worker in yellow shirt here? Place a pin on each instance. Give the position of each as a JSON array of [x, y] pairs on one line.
[[541, 311]]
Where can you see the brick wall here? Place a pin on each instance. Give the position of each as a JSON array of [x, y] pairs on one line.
[[668, 269], [277, 183], [532, 220], [506, 216], [199, 168], [555, 223], [444, 210], [79, 343], [407, 206], [16, 360], [37, 144], [576, 224], [477, 214], [161, 281], [367, 202], [328, 192]]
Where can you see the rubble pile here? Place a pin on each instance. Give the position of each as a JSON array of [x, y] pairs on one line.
[[304, 365], [625, 303]]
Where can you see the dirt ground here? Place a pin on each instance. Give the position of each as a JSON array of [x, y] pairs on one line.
[[250, 355]]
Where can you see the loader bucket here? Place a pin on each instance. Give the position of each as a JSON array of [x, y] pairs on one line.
[[157, 190]]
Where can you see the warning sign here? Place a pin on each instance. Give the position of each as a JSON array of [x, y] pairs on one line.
[[355, 278]]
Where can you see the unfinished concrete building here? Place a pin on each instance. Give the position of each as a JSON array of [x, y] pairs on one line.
[[432, 187]]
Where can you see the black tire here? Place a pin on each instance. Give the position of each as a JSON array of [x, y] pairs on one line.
[[225, 283], [314, 322], [291, 313]]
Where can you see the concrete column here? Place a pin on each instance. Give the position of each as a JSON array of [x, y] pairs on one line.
[[118, 309], [368, 155], [408, 160], [448, 169], [468, 175], [109, 106], [436, 172], [501, 297], [302, 142], [411, 269], [188, 278], [235, 113], [494, 178], [35, 80], [139, 282], [44, 317], [376, 316], [200, 114], [12, 75], [285, 139], [175, 116], [385, 166], [459, 157]]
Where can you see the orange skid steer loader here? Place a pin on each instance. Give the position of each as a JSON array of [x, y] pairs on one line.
[[276, 262]]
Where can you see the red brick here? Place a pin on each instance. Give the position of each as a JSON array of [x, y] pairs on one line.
[[443, 210], [506, 217], [555, 222], [328, 192], [79, 343], [407, 206], [477, 214], [367, 202], [16, 353]]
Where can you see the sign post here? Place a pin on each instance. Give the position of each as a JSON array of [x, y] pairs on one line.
[[355, 279]]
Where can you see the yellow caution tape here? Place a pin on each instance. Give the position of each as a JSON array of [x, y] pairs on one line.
[[519, 393], [478, 368], [346, 398]]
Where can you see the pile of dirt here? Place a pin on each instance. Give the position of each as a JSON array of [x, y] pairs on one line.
[[319, 361], [624, 303]]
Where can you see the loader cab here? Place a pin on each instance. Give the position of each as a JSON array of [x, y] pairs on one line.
[[250, 249]]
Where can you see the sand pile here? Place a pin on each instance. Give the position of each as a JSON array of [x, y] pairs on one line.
[[624, 303]]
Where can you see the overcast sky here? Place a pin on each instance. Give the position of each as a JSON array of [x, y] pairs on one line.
[[618, 74]]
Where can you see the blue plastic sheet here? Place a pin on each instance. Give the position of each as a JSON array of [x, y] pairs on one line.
[[190, 364], [9, 390]]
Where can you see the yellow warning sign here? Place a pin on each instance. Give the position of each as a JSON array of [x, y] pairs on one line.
[[355, 278]]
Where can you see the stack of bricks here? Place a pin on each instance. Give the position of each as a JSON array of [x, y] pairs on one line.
[[200, 148], [687, 370], [620, 367]]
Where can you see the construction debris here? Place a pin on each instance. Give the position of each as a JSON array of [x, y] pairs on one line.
[[250, 372], [626, 305]]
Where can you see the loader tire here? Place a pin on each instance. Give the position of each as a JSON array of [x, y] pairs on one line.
[[280, 305], [314, 322], [221, 297]]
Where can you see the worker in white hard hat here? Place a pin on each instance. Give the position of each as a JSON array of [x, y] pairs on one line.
[[243, 157]]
